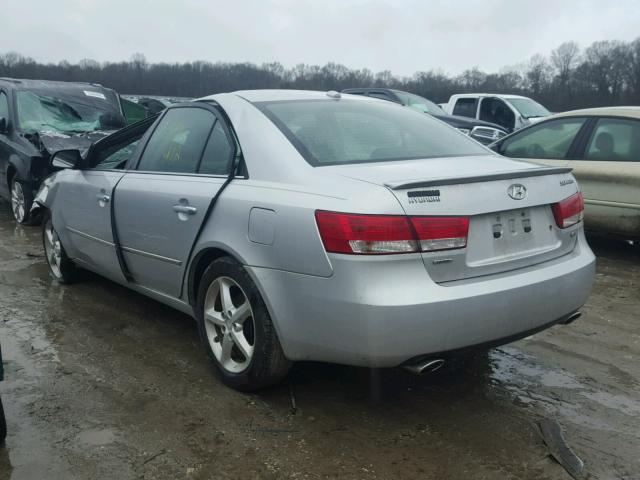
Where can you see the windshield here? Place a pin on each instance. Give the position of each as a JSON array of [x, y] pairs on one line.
[[528, 108], [66, 112], [330, 132], [418, 103]]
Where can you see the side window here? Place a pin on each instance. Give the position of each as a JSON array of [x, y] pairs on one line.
[[217, 154], [116, 156], [4, 106], [497, 111], [466, 107], [178, 141], [550, 140], [381, 95], [615, 140]]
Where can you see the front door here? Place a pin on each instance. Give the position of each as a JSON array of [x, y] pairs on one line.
[[495, 110], [549, 143], [161, 205], [85, 200]]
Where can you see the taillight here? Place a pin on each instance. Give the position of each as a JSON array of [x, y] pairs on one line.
[[365, 234], [569, 211], [441, 233], [388, 234]]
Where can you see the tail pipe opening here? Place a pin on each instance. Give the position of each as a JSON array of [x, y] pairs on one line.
[[428, 365], [572, 318]]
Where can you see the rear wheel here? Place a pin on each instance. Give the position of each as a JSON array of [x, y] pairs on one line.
[[236, 328], [21, 201], [60, 266]]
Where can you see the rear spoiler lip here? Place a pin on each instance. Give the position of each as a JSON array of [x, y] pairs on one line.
[[533, 172]]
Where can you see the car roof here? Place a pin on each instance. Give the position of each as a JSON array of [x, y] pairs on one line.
[[23, 83], [275, 95], [499, 95], [628, 111]]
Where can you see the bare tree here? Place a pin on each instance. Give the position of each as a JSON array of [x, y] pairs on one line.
[[608, 73], [538, 74], [565, 59]]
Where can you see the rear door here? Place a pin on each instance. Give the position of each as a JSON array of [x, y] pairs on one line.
[[160, 206], [608, 171]]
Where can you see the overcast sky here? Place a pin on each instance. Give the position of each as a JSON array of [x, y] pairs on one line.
[[401, 36]]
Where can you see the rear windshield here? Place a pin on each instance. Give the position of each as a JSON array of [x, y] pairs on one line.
[[333, 132]]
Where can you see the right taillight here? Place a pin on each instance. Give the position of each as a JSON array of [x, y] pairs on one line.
[[441, 233], [569, 211], [389, 234]]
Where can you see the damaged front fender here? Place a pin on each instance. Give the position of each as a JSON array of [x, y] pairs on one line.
[[42, 199]]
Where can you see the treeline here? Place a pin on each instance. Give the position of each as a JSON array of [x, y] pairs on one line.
[[605, 73]]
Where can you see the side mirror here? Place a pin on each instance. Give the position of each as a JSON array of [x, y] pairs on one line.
[[4, 128], [67, 159]]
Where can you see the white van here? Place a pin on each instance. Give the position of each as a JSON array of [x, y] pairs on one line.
[[509, 111]]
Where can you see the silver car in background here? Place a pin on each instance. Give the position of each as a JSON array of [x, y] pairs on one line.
[[317, 226]]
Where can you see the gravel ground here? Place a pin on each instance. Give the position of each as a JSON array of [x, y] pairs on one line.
[[104, 383]]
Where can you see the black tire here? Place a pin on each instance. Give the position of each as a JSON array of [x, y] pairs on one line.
[[66, 272], [3, 425], [27, 195], [268, 365]]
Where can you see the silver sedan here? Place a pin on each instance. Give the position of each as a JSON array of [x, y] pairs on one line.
[[318, 226]]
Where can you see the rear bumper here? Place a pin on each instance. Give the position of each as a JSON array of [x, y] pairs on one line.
[[384, 312]]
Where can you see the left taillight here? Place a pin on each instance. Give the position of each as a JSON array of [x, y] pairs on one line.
[[569, 211], [389, 234]]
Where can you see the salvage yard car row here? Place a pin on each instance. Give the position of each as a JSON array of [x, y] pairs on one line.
[[293, 225]]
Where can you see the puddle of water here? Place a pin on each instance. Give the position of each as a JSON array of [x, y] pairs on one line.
[[554, 390], [94, 438]]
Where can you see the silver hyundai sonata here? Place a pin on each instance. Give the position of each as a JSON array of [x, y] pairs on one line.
[[317, 226]]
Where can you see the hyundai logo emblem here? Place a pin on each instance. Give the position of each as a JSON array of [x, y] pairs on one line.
[[517, 191]]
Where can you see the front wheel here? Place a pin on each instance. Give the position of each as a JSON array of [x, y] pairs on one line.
[[21, 201], [237, 330], [60, 266]]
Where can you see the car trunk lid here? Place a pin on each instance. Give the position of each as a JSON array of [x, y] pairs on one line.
[[508, 203]]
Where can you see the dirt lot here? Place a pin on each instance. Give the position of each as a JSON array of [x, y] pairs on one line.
[[105, 383]]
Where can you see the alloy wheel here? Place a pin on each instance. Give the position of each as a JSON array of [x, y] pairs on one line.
[[17, 202], [53, 249], [229, 324]]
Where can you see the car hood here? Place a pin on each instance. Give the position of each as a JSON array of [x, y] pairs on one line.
[[51, 142], [393, 173], [464, 122]]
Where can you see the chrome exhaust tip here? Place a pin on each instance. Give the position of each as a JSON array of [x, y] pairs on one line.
[[425, 366], [572, 318]]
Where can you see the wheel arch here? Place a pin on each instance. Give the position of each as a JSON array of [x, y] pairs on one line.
[[11, 172], [16, 165], [199, 264]]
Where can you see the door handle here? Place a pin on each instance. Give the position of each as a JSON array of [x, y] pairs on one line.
[[103, 198], [188, 209]]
